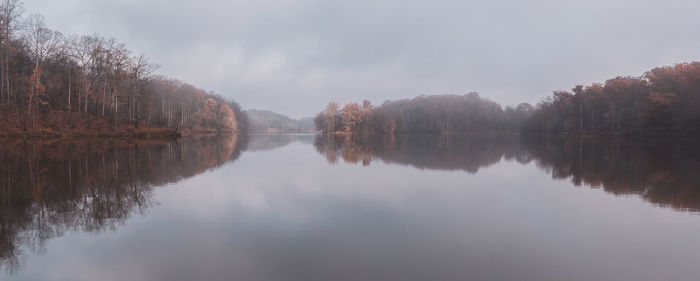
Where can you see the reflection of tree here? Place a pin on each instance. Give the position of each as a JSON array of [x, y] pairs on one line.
[[664, 172], [468, 153], [48, 188]]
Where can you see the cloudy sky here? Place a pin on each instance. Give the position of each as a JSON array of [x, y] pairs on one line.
[[294, 56]]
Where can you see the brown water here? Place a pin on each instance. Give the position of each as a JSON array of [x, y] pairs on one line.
[[315, 208]]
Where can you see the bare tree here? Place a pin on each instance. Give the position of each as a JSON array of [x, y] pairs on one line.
[[86, 51], [94, 75], [42, 42], [140, 69], [10, 11]]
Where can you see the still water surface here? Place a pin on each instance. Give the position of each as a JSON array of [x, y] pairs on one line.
[[286, 207]]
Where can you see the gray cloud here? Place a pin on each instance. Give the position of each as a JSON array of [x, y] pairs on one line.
[[295, 56]]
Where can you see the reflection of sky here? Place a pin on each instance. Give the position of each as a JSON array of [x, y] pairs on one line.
[[286, 214]]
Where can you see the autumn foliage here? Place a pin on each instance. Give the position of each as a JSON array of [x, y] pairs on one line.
[[443, 114], [664, 101], [56, 85]]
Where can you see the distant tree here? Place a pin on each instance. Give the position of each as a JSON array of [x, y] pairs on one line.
[[351, 117], [663, 101], [448, 114]]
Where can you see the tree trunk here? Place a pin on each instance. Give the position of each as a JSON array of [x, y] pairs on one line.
[[2, 74], [69, 88], [32, 87], [87, 88], [104, 96], [116, 108], [580, 117]]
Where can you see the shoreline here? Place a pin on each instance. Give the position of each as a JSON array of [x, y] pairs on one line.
[[149, 133], [627, 135]]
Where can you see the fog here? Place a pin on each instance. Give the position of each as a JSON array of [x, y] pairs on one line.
[[293, 57]]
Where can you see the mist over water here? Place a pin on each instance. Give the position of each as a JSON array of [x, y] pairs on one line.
[[306, 207]]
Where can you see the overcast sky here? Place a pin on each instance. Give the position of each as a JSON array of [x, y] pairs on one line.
[[293, 57]]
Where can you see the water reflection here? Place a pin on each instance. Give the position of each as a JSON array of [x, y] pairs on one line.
[[50, 187], [384, 210], [662, 171], [467, 153], [274, 141]]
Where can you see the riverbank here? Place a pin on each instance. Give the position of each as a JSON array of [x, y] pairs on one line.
[[143, 133], [592, 134], [75, 125]]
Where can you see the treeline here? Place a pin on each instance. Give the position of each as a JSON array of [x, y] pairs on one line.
[[51, 83], [664, 101], [263, 121], [445, 114]]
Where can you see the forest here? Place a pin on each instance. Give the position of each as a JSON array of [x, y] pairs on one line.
[[665, 101], [444, 114], [56, 85]]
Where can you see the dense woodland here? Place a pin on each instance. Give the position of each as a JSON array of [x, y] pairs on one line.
[[664, 101], [446, 114], [56, 84]]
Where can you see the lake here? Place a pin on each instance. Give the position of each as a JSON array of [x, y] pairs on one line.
[[306, 207]]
